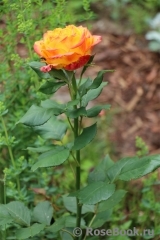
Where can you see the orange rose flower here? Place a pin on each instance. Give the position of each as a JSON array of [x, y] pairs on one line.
[[68, 48]]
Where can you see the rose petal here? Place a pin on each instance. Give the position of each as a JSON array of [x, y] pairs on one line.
[[102, 113], [46, 68], [38, 47], [96, 39], [80, 42], [69, 48], [80, 63]]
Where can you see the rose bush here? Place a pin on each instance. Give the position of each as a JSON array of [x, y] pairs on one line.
[[68, 48]]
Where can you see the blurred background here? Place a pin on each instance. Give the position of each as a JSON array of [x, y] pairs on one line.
[[130, 46]]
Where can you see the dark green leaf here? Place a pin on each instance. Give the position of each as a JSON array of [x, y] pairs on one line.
[[133, 167], [56, 108], [69, 145], [87, 65], [40, 149], [26, 233], [4, 113], [58, 225], [69, 74], [101, 218], [92, 94], [112, 201], [76, 112], [58, 74], [52, 129], [51, 235], [36, 67], [94, 111], [94, 192], [99, 173], [43, 212], [5, 221], [63, 222], [85, 86], [52, 158], [36, 116], [51, 87], [70, 204], [65, 235], [71, 104], [19, 212], [86, 137], [142, 167], [70, 221], [94, 238], [5, 217], [52, 104], [98, 80]]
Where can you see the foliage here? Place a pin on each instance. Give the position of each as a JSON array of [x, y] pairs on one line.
[[136, 11], [143, 149], [34, 204], [100, 194]]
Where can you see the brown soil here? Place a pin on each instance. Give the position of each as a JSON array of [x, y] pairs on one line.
[[133, 89]]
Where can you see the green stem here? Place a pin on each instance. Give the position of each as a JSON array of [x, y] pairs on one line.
[[4, 234], [90, 224], [64, 230], [94, 216], [80, 80], [78, 175], [80, 125], [3, 201], [10, 151], [78, 168], [4, 190], [70, 124], [75, 159], [1, 191], [72, 170]]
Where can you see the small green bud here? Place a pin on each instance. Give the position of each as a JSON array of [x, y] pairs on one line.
[[142, 147], [13, 6], [11, 185], [6, 171]]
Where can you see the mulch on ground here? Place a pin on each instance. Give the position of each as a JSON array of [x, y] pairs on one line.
[[133, 89]]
